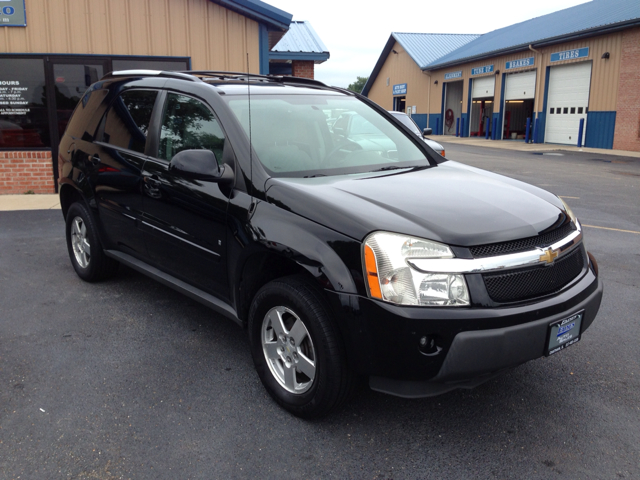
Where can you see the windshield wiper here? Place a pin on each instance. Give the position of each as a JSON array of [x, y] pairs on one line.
[[315, 175], [384, 169]]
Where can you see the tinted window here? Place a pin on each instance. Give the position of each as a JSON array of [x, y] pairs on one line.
[[188, 124], [23, 112], [128, 119]]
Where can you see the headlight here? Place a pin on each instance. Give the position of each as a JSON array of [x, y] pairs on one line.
[[569, 212], [391, 279]]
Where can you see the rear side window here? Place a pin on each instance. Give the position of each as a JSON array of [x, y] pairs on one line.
[[127, 121], [188, 124], [88, 114]]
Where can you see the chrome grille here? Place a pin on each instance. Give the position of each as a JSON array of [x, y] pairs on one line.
[[523, 244], [532, 282]]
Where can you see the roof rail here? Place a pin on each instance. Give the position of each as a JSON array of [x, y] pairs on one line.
[[198, 75], [285, 79], [222, 74], [151, 73]]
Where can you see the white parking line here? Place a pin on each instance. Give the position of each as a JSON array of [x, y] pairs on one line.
[[614, 229]]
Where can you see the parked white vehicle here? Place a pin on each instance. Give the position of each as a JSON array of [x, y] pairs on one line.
[[407, 121]]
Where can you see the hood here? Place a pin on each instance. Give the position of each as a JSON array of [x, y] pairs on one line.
[[451, 203]]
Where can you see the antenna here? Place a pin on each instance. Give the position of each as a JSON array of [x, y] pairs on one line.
[[250, 142]]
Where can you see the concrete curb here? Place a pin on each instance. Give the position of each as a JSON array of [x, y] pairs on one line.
[[29, 202], [528, 147]]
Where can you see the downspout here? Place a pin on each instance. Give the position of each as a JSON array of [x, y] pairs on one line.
[[535, 107], [428, 97]]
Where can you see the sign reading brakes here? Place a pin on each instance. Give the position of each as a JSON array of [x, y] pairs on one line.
[[570, 54], [523, 62], [12, 13], [400, 89]]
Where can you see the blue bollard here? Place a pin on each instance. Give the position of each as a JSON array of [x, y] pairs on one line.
[[457, 127], [494, 134], [526, 130], [487, 125], [437, 132], [535, 132], [580, 132], [462, 127]]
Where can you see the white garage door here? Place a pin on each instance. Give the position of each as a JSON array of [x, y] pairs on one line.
[[483, 87], [567, 102], [520, 86]]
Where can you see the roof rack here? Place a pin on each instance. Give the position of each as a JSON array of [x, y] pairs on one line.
[[198, 75], [151, 73], [284, 79]]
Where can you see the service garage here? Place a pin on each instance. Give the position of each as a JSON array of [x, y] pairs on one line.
[[570, 77]]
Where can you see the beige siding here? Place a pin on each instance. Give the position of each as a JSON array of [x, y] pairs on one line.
[[213, 36], [604, 73], [400, 68]]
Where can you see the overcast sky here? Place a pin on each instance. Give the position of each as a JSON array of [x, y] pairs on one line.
[[355, 32]]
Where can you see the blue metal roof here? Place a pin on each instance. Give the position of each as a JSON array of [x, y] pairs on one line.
[[301, 42], [423, 48], [426, 48], [590, 18], [259, 11]]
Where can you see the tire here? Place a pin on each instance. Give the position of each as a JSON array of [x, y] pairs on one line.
[[85, 251], [308, 376]]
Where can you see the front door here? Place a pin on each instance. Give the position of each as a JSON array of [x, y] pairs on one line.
[[184, 220]]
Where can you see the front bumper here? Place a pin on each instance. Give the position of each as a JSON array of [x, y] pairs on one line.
[[474, 344]]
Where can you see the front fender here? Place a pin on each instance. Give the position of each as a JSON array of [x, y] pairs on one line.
[[328, 255]]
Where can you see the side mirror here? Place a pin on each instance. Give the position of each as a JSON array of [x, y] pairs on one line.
[[200, 165], [427, 131]]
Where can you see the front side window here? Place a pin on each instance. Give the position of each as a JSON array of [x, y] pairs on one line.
[[127, 122], [188, 124], [294, 135]]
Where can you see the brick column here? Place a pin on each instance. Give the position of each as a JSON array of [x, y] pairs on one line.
[[24, 171], [302, 68], [627, 133]]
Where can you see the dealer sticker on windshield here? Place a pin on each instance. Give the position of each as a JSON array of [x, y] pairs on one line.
[[564, 333]]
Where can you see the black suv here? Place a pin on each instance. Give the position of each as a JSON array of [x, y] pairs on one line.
[[342, 257]]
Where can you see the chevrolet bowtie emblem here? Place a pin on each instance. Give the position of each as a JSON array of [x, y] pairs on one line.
[[549, 256]]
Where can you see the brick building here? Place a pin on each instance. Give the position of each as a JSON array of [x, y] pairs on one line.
[[47, 63], [298, 51]]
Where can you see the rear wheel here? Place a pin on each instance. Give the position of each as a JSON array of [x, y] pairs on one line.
[[86, 254], [297, 349]]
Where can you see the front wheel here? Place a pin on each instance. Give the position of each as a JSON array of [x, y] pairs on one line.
[[86, 254], [297, 349]]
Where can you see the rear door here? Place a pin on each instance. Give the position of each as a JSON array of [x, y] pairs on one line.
[[117, 159], [185, 219]]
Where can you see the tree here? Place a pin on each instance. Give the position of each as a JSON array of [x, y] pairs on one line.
[[358, 85]]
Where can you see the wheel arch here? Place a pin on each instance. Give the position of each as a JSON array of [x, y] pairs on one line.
[[262, 267], [69, 194]]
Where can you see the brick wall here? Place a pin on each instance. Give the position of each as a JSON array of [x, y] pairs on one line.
[[302, 68], [627, 134], [24, 171]]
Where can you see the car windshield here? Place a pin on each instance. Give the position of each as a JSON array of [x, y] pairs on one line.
[[304, 135], [407, 121]]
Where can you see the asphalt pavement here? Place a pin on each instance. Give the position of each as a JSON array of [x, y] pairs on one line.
[[129, 379]]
